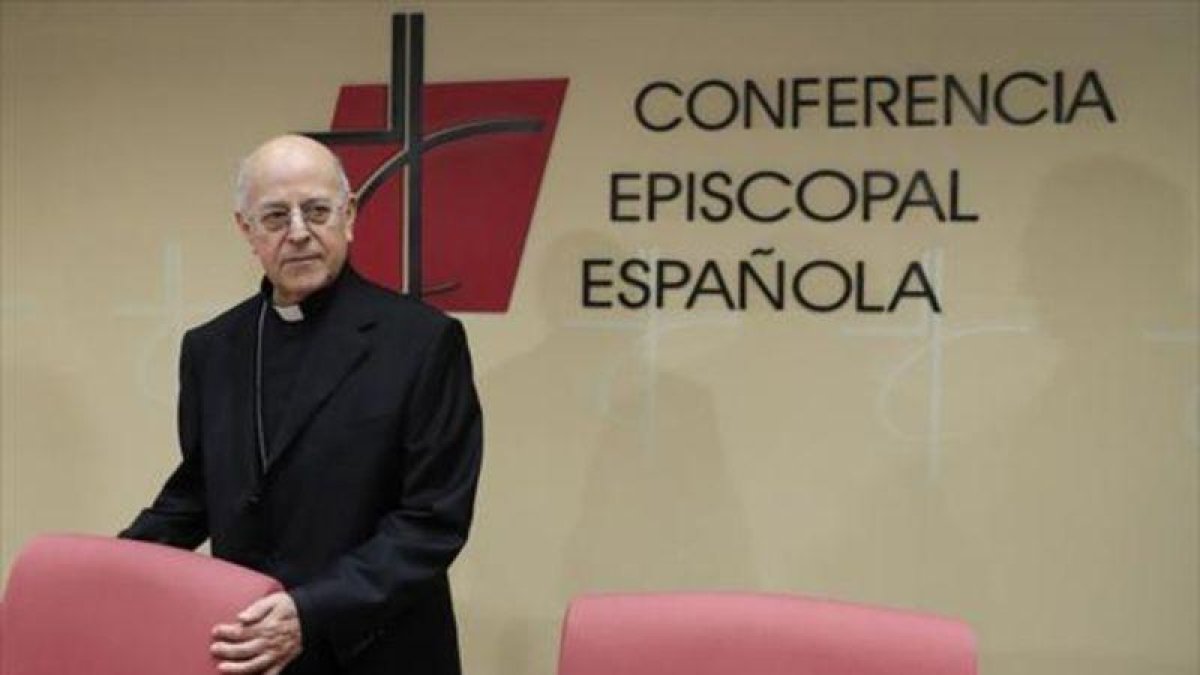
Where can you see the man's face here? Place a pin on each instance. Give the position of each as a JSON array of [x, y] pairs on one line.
[[296, 218]]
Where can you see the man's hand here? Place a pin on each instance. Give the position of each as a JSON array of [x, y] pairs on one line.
[[264, 640]]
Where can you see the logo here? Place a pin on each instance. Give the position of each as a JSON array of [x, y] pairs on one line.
[[447, 176]]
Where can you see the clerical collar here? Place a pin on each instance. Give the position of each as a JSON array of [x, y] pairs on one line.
[[309, 307], [289, 313]]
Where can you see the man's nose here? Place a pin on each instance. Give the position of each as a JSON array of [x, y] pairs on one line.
[[297, 229]]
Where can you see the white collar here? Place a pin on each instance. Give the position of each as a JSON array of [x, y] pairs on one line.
[[289, 313]]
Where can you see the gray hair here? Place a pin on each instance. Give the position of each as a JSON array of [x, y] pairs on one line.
[[241, 183]]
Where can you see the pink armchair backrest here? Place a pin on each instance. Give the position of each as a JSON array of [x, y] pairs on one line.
[[80, 605], [756, 634]]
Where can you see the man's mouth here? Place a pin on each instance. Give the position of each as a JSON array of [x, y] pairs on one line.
[[302, 259]]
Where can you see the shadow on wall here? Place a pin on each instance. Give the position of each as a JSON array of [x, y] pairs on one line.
[[1093, 493], [871, 501], [603, 472], [1064, 531]]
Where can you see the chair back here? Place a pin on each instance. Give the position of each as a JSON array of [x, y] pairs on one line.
[[756, 634], [84, 605]]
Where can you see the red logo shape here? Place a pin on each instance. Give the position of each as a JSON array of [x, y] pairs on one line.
[[479, 191], [447, 176]]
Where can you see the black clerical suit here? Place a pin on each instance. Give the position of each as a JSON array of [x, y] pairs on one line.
[[363, 493]]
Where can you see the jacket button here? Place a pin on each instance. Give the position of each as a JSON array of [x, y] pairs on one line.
[[253, 500]]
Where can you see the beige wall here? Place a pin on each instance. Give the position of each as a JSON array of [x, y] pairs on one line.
[[1028, 460]]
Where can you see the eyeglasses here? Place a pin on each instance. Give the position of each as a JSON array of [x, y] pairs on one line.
[[276, 218]]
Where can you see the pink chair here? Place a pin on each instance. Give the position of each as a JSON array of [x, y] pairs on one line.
[[80, 605], [756, 634]]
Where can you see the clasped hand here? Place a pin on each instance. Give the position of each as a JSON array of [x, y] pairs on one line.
[[264, 640]]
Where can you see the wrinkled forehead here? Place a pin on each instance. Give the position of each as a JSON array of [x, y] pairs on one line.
[[291, 175]]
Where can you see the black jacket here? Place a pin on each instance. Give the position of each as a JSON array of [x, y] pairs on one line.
[[367, 493]]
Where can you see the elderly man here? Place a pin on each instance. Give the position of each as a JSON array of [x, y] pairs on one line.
[[331, 437]]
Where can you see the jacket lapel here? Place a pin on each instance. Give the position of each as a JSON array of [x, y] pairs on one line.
[[339, 346]]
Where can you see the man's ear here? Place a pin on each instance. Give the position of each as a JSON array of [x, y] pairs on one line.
[[351, 212], [243, 225]]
